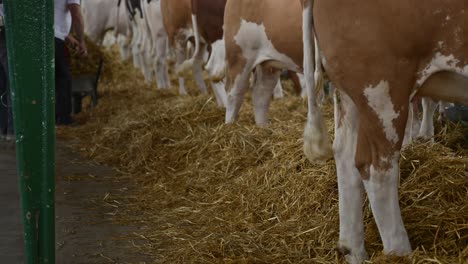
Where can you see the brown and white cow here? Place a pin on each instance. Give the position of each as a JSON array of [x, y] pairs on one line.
[[207, 22], [177, 19], [264, 35], [380, 54]]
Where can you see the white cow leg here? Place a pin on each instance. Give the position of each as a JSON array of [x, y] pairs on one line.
[[278, 92], [442, 106], [162, 69], [197, 69], [382, 190], [167, 79], [427, 125], [220, 93], [236, 93], [157, 73], [351, 241], [416, 122], [413, 125], [265, 82], [182, 90], [180, 57]]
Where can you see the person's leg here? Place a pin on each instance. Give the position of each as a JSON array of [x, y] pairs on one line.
[[62, 86]]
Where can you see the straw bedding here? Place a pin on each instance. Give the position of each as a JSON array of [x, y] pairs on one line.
[[206, 192]]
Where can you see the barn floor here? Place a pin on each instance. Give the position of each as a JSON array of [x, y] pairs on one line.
[[85, 232]]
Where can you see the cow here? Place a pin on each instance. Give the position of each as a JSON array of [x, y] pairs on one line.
[[139, 34], [207, 23], [380, 55], [264, 37], [159, 41], [177, 22], [113, 18]]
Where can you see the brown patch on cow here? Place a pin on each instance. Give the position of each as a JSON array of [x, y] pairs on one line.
[[176, 16], [210, 18]]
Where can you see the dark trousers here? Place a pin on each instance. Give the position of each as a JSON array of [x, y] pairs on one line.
[[62, 85], [6, 111]]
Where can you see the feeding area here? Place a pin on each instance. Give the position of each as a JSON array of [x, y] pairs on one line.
[[202, 191]]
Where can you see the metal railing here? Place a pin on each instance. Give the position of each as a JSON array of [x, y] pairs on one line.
[[30, 42]]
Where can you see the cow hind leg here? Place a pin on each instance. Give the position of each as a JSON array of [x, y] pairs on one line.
[[220, 93], [278, 92], [381, 130], [237, 83], [197, 68], [350, 189], [266, 79], [382, 191], [180, 57], [427, 126]]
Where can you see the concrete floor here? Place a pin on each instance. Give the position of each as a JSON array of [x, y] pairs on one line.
[[85, 232]]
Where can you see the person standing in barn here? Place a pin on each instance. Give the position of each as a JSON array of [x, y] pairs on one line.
[[68, 18], [6, 112]]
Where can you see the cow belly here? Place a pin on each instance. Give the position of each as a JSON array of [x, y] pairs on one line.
[[446, 86]]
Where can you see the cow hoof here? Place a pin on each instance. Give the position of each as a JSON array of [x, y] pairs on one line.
[[400, 249], [353, 256]]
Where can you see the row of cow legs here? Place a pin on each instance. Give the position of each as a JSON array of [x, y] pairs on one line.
[[424, 128]]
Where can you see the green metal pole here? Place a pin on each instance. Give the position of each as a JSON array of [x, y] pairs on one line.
[[30, 42]]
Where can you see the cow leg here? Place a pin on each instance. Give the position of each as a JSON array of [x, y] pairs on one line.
[[278, 92], [165, 66], [351, 241], [382, 191], [381, 130], [135, 46], [237, 83], [180, 57], [442, 106], [266, 79], [427, 125], [197, 68], [147, 53], [161, 64], [413, 125], [220, 93]]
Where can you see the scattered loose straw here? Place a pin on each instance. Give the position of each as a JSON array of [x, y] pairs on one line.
[[206, 192]]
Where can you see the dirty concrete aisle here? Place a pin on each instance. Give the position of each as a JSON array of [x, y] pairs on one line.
[[84, 230]]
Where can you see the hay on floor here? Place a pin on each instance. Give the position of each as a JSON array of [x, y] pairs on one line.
[[206, 192]]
